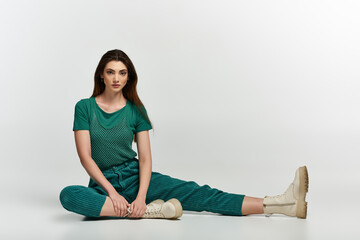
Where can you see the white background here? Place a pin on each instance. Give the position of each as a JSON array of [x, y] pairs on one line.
[[240, 94]]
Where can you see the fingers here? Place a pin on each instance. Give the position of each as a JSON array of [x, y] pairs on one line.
[[133, 210], [142, 212], [136, 212], [116, 208], [126, 205], [123, 210], [120, 207]]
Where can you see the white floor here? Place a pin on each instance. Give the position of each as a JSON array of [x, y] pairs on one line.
[[329, 217]]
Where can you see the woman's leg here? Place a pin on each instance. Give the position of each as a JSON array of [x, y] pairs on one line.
[[252, 205], [87, 201], [192, 196], [108, 208], [82, 200]]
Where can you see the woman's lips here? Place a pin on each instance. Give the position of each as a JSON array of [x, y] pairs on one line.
[[115, 85]]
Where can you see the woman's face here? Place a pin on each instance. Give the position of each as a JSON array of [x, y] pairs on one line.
[[115, 75]]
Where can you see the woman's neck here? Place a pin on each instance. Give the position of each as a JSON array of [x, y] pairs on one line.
[[112, 99]]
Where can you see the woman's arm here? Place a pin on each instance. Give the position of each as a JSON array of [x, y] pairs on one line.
[[138, 206], [145, 162], [82, 141]]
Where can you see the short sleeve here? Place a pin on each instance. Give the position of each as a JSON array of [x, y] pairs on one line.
[[81, 121], [141, 123]]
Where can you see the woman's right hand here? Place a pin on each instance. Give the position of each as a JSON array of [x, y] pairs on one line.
[[120, 204]]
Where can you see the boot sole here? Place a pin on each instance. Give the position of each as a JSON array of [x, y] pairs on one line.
[[178, 208], [301, 208]]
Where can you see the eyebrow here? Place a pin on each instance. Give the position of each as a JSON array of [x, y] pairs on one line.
[[113, 69]]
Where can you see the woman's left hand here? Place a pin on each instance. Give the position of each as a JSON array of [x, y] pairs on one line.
[[137, 208]]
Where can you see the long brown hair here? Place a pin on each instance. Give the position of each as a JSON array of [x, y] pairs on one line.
[[129, 90]]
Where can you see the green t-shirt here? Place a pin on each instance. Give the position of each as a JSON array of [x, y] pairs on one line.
[[111, 134]]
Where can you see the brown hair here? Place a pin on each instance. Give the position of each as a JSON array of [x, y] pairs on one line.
[[129, 90]]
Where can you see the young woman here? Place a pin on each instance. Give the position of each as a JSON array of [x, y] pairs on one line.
[[125, 186]]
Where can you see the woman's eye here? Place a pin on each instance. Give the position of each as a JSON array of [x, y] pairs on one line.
[[109, 72], [123, 73]]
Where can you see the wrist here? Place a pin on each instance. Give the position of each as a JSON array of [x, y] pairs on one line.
[[111, 191], [141, 197]]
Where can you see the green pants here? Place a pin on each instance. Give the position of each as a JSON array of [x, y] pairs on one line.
[[88, 201]]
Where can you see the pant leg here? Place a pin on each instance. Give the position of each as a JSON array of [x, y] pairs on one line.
[[88, 201], [83, 200], [192, 196]]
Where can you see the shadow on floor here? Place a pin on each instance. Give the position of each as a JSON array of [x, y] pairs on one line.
[[126, 218]]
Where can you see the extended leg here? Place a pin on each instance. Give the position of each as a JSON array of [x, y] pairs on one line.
[[192, 196], [252, 205]]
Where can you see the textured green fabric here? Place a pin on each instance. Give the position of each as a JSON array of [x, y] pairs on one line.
[[88, 201], [111, 134]]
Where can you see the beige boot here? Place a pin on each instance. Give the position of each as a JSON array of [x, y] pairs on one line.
[[157, 201], [292, 202], [170, 209]]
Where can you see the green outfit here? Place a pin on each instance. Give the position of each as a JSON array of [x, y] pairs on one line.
[[111, 134], [111, 148]]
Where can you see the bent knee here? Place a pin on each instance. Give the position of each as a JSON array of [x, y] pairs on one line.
[[68, 195]]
